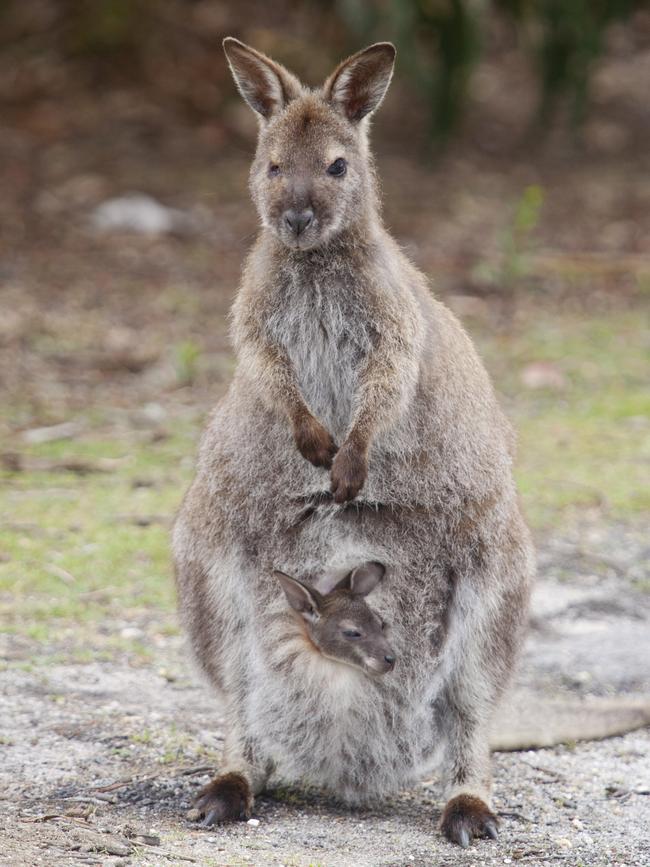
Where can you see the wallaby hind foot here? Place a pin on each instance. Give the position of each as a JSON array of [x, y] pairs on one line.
[[466, 817], [227, 798]]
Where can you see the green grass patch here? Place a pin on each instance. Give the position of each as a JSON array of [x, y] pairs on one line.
[[585, 445], [81, 549], [80, 556]]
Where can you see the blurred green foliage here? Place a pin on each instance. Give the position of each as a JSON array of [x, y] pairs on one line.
[[187, 355], [569, 36], [441, 42], [512, 269]]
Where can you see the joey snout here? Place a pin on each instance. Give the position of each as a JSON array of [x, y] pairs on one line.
[[380, 664]]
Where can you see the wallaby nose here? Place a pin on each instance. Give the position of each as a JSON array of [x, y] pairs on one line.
[[298, 221]]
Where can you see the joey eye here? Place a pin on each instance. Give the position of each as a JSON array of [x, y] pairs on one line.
[[351, 633], [274, 170], [338, 168]]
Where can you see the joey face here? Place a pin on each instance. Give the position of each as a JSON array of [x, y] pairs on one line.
[[350, 631], [311, 176], [341, 624]]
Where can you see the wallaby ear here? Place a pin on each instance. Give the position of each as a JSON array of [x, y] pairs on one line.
[[301, 598], [365, 578], [358, 85], [265, 85]]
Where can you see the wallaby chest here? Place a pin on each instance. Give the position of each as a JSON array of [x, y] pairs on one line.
[[324, 327]]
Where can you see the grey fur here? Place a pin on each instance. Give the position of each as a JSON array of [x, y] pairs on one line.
[[340, 332]]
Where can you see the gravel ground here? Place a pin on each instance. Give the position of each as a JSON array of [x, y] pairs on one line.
[[101, 760]]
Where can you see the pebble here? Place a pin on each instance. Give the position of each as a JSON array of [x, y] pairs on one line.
[[131, 632], [140, 214], [253, 823]]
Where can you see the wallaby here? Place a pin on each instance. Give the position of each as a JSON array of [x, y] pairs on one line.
[[360, 426], [341, 625]]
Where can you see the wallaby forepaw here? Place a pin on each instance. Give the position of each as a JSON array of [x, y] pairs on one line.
[[227, 798], [466, 817], [314, 442], [349, 473]]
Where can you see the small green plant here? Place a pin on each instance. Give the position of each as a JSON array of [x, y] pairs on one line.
[[516, 244], [186, 361]]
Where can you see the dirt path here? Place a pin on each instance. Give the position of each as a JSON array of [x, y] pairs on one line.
[[101, 760]]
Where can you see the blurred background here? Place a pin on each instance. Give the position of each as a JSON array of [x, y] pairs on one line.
[[514, 151]]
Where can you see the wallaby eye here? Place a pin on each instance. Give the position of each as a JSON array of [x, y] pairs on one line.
[[338, 168], [351, 633], [274, 170]]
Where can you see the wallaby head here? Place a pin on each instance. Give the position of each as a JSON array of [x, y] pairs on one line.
[[341, 624], [312, 176]]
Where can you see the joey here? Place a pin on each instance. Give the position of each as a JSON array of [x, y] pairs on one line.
[[341, 624]]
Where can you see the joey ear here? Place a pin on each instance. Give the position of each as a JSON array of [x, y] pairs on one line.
[[265, 85], [365, 578], [358, 85], [301, 598]]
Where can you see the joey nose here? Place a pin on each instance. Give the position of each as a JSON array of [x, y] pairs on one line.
[[298, 221]]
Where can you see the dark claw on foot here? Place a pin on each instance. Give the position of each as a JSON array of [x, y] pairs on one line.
[[466, 817], [212, 817], [227, 798], [349, 472]]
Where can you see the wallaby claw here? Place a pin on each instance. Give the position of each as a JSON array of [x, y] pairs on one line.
[[212, 818], [349, 473], [314, 442], [466, 817], [227, 798]]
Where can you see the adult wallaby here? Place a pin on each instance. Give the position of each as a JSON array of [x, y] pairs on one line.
[[348, 367]]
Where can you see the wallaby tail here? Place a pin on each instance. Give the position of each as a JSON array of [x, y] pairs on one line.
[[529, 721]]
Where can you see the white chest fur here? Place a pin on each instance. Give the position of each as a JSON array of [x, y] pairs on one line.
[[323, 330]]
